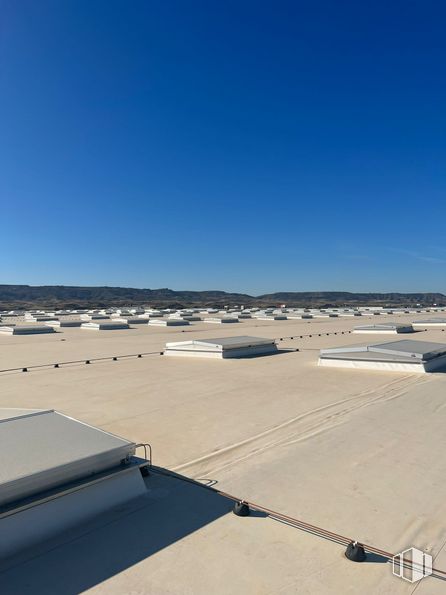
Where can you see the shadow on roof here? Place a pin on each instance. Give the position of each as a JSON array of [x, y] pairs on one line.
[[76, 561]]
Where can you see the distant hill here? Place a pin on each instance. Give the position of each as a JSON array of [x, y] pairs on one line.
[[61, 296], [58, 296], [344, 297]]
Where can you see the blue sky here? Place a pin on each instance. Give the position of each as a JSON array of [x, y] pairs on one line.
[[241, 145]]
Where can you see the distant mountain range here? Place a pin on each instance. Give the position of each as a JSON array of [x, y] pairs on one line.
[[61, 296]]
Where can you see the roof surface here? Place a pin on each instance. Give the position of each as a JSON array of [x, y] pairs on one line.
[[358, 454]]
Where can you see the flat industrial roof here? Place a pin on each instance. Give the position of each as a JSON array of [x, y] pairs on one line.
[[358, 454]]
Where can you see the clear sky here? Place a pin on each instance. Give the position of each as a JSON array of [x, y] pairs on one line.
[[241, 145]]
